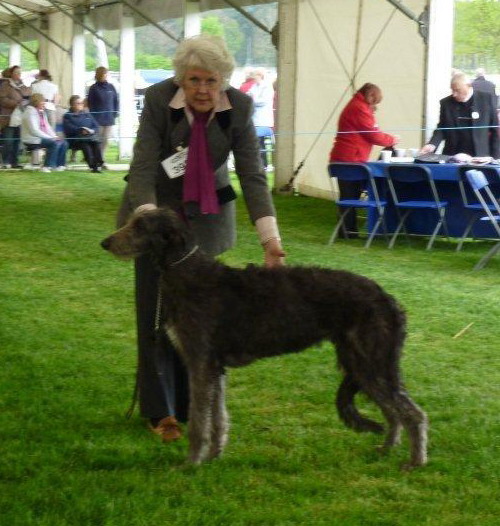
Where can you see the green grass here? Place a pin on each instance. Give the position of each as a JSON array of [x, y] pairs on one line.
[[69, 457]]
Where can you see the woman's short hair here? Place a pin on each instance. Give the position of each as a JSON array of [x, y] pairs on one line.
[[12, 69], [44, 74], [73, 99], [206, 52], [100, 72], [36, 98], [372, 91]]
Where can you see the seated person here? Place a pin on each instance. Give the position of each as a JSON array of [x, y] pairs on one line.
[[36, 132], [80, 128]]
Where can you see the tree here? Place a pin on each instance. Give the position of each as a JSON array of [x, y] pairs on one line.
[[28, 60], [225, 28], [477, 28], [211, 25]]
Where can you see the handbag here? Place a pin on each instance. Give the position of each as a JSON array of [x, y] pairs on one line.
[[16, 117]]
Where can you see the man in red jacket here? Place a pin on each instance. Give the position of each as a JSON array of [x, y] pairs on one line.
[[357, 132]]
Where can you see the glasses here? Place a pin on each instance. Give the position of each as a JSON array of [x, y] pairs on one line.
[[197, 83]]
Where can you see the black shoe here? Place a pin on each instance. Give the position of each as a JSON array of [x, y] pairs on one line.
[[96, 171], [349, 235], [18, 166]]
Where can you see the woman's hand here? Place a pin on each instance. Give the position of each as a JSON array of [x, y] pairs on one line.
[[274, 256]]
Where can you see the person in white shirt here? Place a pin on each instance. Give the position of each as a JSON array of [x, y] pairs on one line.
[[36, 132], [262, 93], [50, 92]]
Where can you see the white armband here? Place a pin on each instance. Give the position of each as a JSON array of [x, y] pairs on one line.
[[267, 228], [145, 207]]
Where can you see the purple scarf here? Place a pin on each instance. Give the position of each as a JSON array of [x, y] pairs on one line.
[[199, 179]]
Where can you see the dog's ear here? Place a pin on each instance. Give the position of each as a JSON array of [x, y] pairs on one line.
[[167, 233]]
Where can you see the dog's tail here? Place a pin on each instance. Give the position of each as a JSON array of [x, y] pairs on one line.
[[348, 412]]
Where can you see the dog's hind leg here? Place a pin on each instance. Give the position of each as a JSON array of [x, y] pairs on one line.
[[393, 436], [220, 420], [401, 411], [347, 410], [203, 385], [415, 422]]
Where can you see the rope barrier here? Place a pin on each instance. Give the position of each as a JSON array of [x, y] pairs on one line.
[[330, 133]]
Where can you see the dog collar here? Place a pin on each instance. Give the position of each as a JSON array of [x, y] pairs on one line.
[[185, 256]]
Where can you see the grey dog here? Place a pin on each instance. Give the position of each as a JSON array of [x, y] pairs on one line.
[[219, 317]]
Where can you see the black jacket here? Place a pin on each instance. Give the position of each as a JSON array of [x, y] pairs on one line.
[[484, 122], [74, 122]]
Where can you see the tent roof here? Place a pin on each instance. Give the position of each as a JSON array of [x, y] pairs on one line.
[[11, 10], [29, 9]]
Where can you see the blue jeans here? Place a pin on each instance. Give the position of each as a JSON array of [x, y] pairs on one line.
[[56, 152], [11, 140]]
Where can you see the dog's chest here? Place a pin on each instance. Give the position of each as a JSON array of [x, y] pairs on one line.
[[173, 336]]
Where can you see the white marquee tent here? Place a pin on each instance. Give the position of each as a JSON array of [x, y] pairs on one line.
[[327, 49]]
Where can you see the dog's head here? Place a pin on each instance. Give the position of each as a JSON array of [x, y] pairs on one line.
[[159, 233]]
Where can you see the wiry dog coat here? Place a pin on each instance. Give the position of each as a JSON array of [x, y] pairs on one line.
[[221, 317]]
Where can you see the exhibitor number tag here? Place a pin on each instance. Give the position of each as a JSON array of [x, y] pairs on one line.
[[175, 165]]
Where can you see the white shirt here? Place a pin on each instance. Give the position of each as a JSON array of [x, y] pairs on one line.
[[49, 90], [262, 95]]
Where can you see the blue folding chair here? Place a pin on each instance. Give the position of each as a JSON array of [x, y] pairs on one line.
[[408, 199], [481, 188], [357, 172], [471, 204]]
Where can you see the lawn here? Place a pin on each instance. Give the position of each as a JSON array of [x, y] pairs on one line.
[[69, 457]]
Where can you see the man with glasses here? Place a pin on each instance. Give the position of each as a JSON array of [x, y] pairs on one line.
[[468, 122]]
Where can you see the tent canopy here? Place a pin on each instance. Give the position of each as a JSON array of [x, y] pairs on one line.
[[327, 49]]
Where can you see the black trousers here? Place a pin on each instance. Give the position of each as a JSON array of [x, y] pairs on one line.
[[263, 150], [91, 152], [162, 377], [350, 190]]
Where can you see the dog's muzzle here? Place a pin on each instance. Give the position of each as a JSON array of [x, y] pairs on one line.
[[106, 243]]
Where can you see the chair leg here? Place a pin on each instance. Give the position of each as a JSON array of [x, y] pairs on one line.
[[441, 223], [35, 157], [484, 260], [340, 223], [434, 234], [466, 233], [445, 225], [374, 231], [398, 229]]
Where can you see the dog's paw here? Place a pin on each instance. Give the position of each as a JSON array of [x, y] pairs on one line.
[[215, 452], [199, 455], [410, 466]]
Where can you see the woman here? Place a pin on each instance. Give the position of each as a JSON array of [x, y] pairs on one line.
[[50, 91], [36, 131], [103, 104], [357, 133], [262, 93], [80, 128], [13, 96], [195, 118]]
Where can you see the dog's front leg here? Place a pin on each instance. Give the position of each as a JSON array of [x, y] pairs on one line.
[[203, 386], [220, 419]]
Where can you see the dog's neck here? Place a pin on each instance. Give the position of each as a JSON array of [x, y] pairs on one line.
[[184, 257]]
